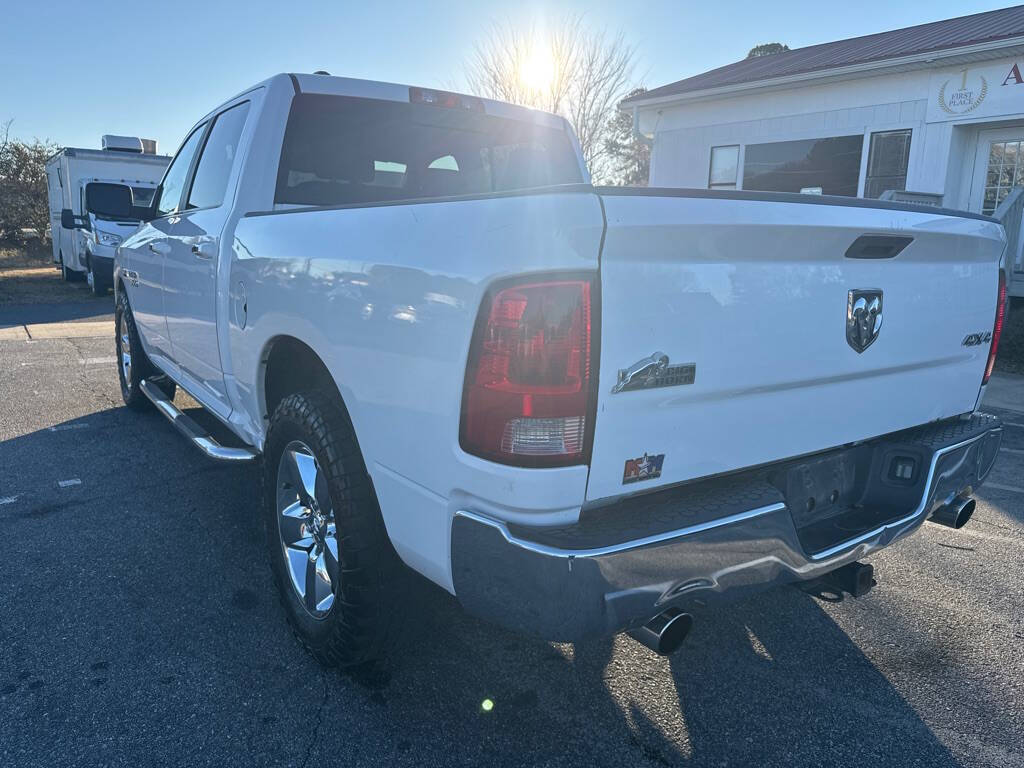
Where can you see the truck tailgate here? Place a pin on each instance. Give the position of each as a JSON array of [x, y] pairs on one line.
[[749, 301]]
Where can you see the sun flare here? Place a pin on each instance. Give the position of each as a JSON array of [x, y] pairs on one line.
[[538, 67]]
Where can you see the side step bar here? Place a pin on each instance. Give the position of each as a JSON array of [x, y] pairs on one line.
[[199, 438]]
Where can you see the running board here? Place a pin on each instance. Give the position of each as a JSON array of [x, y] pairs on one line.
[[199, 438]]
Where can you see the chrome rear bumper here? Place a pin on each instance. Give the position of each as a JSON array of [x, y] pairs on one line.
[[575, 583]]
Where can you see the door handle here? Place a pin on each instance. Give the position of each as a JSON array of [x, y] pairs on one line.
[[204, 250], [160, 248]]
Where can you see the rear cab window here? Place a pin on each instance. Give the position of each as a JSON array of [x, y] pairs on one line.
[[341, 150]]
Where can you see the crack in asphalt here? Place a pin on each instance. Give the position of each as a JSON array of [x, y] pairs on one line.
[[101, 392], [315, 739]]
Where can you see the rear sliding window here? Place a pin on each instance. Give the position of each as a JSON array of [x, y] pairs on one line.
[[340, 150]]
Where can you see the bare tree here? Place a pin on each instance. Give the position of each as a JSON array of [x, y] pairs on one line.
[[5, 136], [24, 202], [571, 69]]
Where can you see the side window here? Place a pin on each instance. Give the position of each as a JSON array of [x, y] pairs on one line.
[[724, 164], [211, 180], [888, 158], [446, 163], [143, 196], [174, 179]]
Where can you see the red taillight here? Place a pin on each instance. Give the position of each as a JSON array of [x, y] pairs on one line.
[[997, 329], [527, 393]]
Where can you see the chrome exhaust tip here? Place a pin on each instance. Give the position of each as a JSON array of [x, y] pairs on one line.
[[956, 513], [665, 632]]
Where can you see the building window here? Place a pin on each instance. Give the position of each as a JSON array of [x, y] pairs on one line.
[[1005, 171], [828, 166], [725, 163], [887, 162]]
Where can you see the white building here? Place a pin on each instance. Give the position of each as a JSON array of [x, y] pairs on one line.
[[935, 109]]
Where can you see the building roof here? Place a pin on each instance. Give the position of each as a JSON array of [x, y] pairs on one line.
[[936, 36]]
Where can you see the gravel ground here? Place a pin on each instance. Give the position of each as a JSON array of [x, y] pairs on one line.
[[139, 626]]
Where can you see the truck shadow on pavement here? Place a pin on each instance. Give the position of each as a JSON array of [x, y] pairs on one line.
[[101, 308], [766, 681], [161, 610]]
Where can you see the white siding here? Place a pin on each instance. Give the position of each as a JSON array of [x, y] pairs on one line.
[[681, 156], [684, 134], [942, 152]]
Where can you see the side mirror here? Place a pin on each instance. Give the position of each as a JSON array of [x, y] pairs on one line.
[[69, 220]]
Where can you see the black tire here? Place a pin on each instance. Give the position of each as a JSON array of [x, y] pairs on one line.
[[130, 373], [69, 275], [97, 284], [356, 628]]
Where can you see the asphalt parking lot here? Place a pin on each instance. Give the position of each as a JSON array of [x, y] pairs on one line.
[[139, 626]]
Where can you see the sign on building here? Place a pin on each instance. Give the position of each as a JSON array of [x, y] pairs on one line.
[[980, 90]]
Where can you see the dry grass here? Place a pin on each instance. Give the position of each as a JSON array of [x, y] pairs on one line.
[[28, 276], [33, 254]]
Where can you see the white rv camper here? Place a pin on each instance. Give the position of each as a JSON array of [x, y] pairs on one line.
[[90, 208]]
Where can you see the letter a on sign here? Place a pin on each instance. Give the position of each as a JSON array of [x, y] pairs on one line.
[[1014, 75]]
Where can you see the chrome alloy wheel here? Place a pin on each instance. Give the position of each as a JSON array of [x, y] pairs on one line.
[[125, 348], [306, 527]]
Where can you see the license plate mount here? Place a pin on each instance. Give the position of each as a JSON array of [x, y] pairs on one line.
[[819, 488]]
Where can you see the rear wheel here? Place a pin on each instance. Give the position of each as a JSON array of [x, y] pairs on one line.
[[69, 275], [333, 564]]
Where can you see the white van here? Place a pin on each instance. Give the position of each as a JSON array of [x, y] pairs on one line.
[[92, 186]]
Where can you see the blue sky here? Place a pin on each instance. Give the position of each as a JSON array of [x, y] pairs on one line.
[[71, 70]]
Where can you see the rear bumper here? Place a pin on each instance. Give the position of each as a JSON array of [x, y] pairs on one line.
[[739, 536]]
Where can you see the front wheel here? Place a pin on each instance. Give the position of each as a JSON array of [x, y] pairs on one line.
[[132, 364], [332, 562], [97, 284]]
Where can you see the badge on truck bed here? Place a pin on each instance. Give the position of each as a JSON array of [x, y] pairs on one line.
[[644, 468]]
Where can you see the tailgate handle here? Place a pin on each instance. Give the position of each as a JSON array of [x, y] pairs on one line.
[[877, 246]]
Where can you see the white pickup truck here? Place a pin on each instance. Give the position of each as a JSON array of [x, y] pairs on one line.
[[580, 410]]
